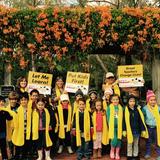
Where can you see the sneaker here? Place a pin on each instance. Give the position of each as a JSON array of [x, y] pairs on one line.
[[60, 150], [147, 156], [69, 150]]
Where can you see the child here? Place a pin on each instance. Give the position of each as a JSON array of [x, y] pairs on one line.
[[34, 94], [90, 103], [41, 122], [106, 98], [4, 115], [54, 125], [64, 115], [111, 82], [133, 127], [78, 95], [152, 118], [115, 117], [82, 129], [100, 134], [13, 105], [22, 128]]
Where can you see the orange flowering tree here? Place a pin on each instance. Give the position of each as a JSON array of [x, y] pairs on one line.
[[63, 37]]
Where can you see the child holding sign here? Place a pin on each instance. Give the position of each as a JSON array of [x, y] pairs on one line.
[[115, 118], [152, 118]]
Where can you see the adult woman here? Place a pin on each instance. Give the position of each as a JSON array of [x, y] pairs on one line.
[[57, 91], [21, 85]]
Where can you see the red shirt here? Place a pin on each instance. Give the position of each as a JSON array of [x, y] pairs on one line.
[[99, 121]]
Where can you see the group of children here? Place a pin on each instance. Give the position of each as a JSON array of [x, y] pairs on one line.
[[32, 123]]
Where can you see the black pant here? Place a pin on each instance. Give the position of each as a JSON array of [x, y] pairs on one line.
[[11, 148], [66, 141], [54, 137], [3, 148], [23, 151]]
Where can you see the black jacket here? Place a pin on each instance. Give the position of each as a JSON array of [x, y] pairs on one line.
[[4, 115], [52, 111], [135, 121], [81, 121]]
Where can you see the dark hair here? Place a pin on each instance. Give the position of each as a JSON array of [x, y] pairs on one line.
[[20, 80], [47, 100], [24, 95], [131, 97], [2, 98], [116, 95], [34, 91], [41, 98], [82, 99]]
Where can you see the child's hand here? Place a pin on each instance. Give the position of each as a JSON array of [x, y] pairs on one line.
[[124, 133], [92, 131], [74, 132], [143, 134]]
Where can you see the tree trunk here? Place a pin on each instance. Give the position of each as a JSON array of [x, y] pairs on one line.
[[33, 63], [128, 59], [156, 76], [101, 63], [7, 75]]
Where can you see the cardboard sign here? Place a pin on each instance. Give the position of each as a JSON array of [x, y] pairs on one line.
[[6, 89], [40, 81], [130, 76], [77, 80]]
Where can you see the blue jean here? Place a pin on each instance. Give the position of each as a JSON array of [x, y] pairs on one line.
[[152, 138], [83, 150]]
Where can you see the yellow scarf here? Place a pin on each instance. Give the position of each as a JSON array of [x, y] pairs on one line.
[[56, 129], [111, 121], [35, 126], [155, 112], [88, 105], [114, 86], [61, 121], [58, 93], [116, 89], [75, 107], [87, 135], [18, 133], [105, 139], [105, 105], [128, 126]]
